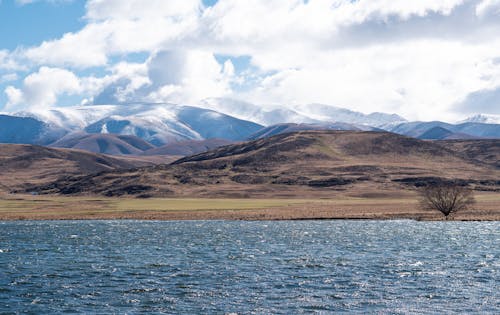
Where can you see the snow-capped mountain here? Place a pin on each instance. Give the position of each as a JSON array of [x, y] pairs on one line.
[[227, 119], [262, 115], [26, 130], [307, 113], [156, 123], [329, 113], [483, 118]]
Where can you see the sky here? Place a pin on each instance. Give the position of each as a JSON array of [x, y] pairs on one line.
[[424, 60]]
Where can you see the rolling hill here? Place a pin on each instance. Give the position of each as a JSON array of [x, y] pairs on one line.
[[24, 165], [308, 163], [104, 143], [485, 150], [189, 147]]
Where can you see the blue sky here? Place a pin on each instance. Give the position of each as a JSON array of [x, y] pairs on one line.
[[423, 60], [28, 25]]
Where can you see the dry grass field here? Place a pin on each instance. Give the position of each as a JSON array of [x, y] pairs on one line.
[[25, 207]]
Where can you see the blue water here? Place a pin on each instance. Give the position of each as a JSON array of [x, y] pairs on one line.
[[288, 267]]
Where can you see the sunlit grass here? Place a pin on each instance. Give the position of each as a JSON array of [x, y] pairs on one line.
[[54, 206], [81, 205]]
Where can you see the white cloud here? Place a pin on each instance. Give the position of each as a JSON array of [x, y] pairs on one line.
[[187, 76], [235, 27], [8, 77], [138, 9], [40, 89], [120, 86], [179, 76], [83, 49], [419, 79], [118, 27], [416, 58], [486, 7], [14, 95], [8, 62]]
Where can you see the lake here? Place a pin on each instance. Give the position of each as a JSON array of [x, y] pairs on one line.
[[280, 267]]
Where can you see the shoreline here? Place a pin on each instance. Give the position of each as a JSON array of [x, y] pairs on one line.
[[251, 220]]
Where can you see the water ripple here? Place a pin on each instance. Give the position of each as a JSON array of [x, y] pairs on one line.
[[223, 267]]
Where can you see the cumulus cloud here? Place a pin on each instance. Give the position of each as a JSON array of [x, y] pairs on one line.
[[187, 76], [118, 27], [419, 79], [180, 76], [40, 89], [417, 58]]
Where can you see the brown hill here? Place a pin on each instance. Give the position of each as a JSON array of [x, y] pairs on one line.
[[22, 165], [310, 163], [104, 143], [485, 150], [189, 147]]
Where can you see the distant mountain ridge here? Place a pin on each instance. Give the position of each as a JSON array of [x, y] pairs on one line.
[[291, 127], [157, 124], [308, 113], [469, 129], [440, 133], [160, 124]]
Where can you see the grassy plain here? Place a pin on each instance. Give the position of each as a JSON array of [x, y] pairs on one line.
[[25, 207]]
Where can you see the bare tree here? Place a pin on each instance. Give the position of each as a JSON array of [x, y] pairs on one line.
[[446, 197]]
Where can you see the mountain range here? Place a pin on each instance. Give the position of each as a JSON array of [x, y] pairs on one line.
[[146, 128]]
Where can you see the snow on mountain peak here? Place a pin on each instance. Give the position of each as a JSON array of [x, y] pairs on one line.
[[305, 113], [483, 118], [158, 123]]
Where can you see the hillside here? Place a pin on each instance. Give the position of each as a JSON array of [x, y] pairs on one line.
[[189, 147], [465, 130], [104, 143], [485, 150], [291, 127], [309, 163], [30, 164], [440, 133]]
